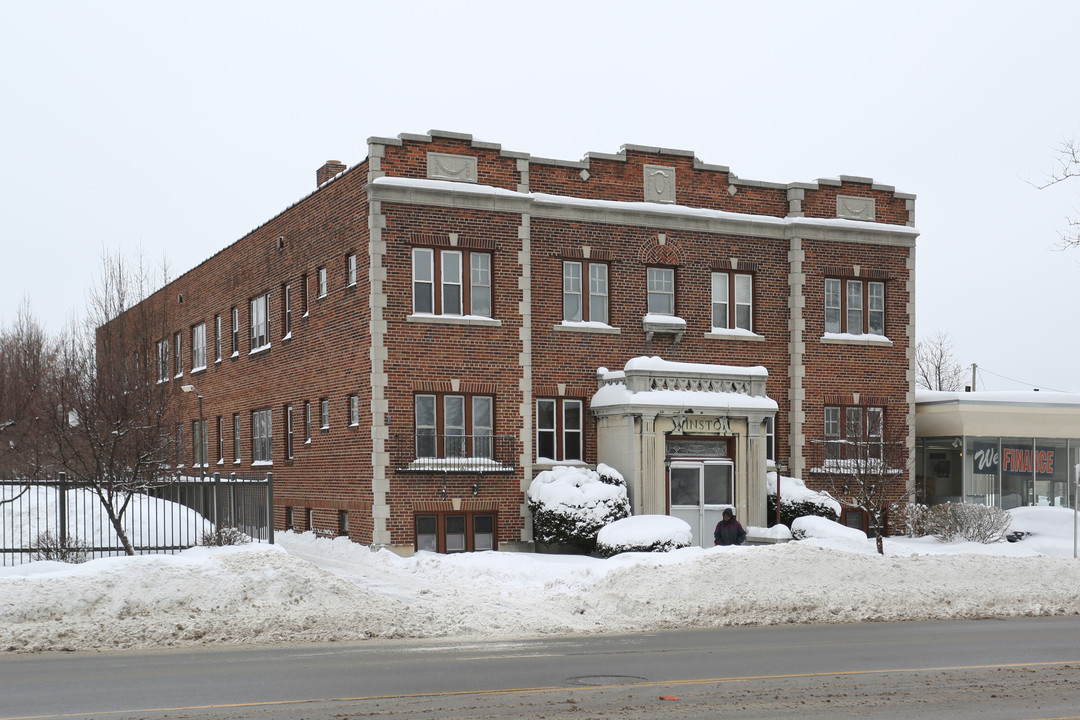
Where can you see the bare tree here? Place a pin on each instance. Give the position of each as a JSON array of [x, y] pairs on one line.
[[1065, 167], [868, 466], [25, 357], [936, 367], [113, 425]]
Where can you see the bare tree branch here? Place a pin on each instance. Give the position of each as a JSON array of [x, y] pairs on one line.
[[1065, 167], [936, 367]]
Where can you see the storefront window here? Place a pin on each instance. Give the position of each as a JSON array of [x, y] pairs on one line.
[[1051, 472], [1016, 472], [983, 466], [942, 470]]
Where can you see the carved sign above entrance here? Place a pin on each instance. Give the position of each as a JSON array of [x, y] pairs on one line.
[[696, 424]]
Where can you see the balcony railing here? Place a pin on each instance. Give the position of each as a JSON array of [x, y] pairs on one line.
[[475, 454]]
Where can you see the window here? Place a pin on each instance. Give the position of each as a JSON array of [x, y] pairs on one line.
[[324, 414], [354, 410], [455, 532], [288, 433], [579, 306], [220, 441], [350, 269], [261, 436], [307, 421], [661, 290], [236, 437], [198, 347], [559, 430], [199, 444], [260, 325], [322, 282], [439, 285], [770, 439], [853, 306], [854, 434], [454, 426], [217, 338], [303, 296], [286, 307], [732, 301], [178, 359], [235, 332], [163, 360]]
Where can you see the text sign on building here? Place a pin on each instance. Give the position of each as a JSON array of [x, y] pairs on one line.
[[692, 424], [987, 460]]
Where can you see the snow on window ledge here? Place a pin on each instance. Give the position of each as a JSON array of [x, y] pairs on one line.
[[453, 319], [262, 463], [586, 327], [734, 334], [851, 339], [260, 349], [653, 323], [287, 336], [549, 462], [201, 368]]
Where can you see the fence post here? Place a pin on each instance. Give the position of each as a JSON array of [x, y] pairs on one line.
[[62, 504], [214, 502], [270, 507]]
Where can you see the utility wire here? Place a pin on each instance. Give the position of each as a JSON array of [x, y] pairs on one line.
[[1019, 382]]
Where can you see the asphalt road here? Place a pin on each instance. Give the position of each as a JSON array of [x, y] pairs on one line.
[[1008, 669]]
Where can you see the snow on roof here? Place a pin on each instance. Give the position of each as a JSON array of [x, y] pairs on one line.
[[998, 397]]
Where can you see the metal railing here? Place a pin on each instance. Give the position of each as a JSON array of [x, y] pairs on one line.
[[474, 454], [62, 519]]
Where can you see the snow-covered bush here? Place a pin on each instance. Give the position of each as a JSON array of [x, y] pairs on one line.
[[51, 547], [812, 526], [570, 504], [958, 521], [224, 535], [643, 533], [797, 500]]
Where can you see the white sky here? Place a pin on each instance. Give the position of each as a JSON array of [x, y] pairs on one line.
[[177, 127]]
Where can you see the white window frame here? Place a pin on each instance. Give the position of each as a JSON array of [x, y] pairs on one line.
[[554, 429], [324, 414], [200, 443], [323, 290], [441, 287], [732, 301], [855, 306], [286, 303], [262, 436], [163, 361], [660, 290], [178, 355], [198, 347], [236, 438], [451, 422], [307, 422], [235, 332], [289, 449], [350, 269], [354, 410], [217, 338], [260, 322]]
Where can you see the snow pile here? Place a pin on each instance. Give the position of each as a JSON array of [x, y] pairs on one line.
[[794, 491], [308, 589]]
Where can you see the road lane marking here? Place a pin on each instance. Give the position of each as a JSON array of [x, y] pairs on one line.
[[555, 688]]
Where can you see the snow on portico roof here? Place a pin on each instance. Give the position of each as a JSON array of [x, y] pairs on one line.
[[683, 385]]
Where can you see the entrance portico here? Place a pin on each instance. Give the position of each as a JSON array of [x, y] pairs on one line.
[[690, 439]]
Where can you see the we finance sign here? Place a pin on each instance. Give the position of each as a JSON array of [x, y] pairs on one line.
[[989, 459]]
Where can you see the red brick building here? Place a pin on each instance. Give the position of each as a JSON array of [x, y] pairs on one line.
[[409, 345]]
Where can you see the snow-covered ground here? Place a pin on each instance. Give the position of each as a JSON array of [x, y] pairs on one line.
[[306, 589]]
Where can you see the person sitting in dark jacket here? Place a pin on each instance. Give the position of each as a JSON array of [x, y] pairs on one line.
[[729, 531]]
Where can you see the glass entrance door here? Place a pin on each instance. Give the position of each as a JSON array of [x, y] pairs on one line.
[[699, 493]]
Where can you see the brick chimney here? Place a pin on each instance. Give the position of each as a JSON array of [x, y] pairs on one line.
[[328, 171]]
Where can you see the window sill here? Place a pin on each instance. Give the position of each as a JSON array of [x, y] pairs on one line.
[[262, 463], [454, 320], [737, 335], [549, 463], [197, 370], [259, 350], [849, 339], [586, 327], [668, 324]]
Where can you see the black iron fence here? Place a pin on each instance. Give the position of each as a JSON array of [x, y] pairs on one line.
[[65, 520], [442, 454]]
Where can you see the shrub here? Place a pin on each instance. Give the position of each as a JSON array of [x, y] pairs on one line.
[[571, 504], [789, 511], [643, 533], [958, 521], [224, 535], [51, 547]]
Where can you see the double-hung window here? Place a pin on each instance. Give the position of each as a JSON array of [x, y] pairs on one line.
[[854, 306], [661, 290], [324, 414], [307, 421], [178, 358], [198, 347], [217, 338], [235, 331], [354, 410], [286, 310], [236, 437], [163, 360], [732, 301], [288, 432], [559, 430], [454, 426], [322, 282], [260, 323], [262, 435], [585, 302], [200, 443], [441, 286], [220, 441], [350, 269], [854, 434]]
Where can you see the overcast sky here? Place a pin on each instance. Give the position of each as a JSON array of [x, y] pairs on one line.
[[176, 127]]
